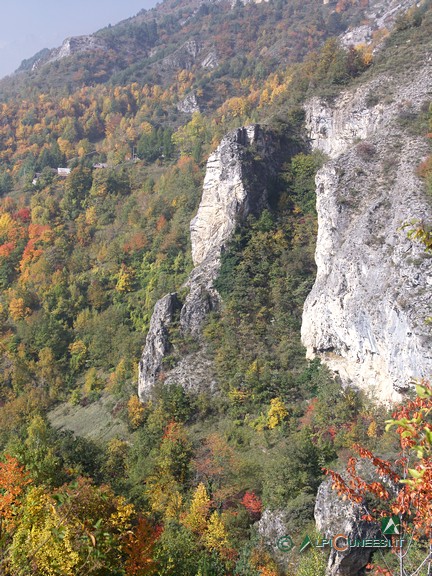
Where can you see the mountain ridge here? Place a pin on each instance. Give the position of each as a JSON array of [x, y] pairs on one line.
[[134, 48]]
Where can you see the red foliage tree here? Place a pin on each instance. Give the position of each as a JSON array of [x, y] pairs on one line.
[[140, 548], [13, 480], [252, 503]]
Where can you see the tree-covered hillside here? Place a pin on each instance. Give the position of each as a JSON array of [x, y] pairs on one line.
[[214, 41], [86, 251]]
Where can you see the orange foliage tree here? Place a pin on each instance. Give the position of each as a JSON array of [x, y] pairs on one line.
[[405, 485], [140, 548], [252, 503], [13, 480]]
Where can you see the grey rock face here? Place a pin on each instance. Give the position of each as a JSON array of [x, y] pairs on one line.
[[70, 46], [365, 316], [271, 527], [157, 342], [233, 189], [229, 194], [184, 57], [333, 516], [380, 14], [189, 104], [334, 128], [210, 61], [371, 110], [202, 297], [187, 55], [195, 372], [76, 45]]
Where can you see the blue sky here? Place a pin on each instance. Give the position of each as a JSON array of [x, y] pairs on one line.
[[27, 26]]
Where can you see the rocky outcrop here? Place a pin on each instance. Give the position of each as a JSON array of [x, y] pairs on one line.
[[157, 342], [202, 297], [379, 15], [70, 46], [233, 3], [333, 128], [373, 110], [189, 104], [272, 530], [190, 53], [365, 316], [229, 191], [334, 516], [210, 61], [235, 186], [78, 45]]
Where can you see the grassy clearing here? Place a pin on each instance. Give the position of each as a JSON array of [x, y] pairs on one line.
[[97, 421]]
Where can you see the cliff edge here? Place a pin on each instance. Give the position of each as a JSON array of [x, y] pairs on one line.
[[365, 316]]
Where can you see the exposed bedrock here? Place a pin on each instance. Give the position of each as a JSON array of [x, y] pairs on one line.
[[365, 316], [235, 185]]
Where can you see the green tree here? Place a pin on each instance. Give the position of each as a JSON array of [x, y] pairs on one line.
[[76, 189], [39, 453]]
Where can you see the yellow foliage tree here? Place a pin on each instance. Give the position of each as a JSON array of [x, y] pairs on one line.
[[136, 412], [187, 137], [48, 371], [145, 128], [196, 518], [216, 537], [78, 351], [372, 429], [277, 413], [164, 496], [235, 107], [92, 381], [117, 379], [115, 461], [366, 53], [17, 309], [125, 278], [34, 539], [6, 223], [91, 216], [78, 529]]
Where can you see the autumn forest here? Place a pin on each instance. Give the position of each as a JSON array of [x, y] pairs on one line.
[[101, 170]]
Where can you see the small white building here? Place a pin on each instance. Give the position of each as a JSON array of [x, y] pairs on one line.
[[63, 172]]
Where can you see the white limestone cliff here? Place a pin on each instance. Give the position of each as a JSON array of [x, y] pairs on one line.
[[336, 516], [189, 104], [227, 194], [365, 316], [189, 53], [77, 45]]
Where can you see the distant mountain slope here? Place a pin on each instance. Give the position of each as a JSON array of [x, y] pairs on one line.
[[213, 39]]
